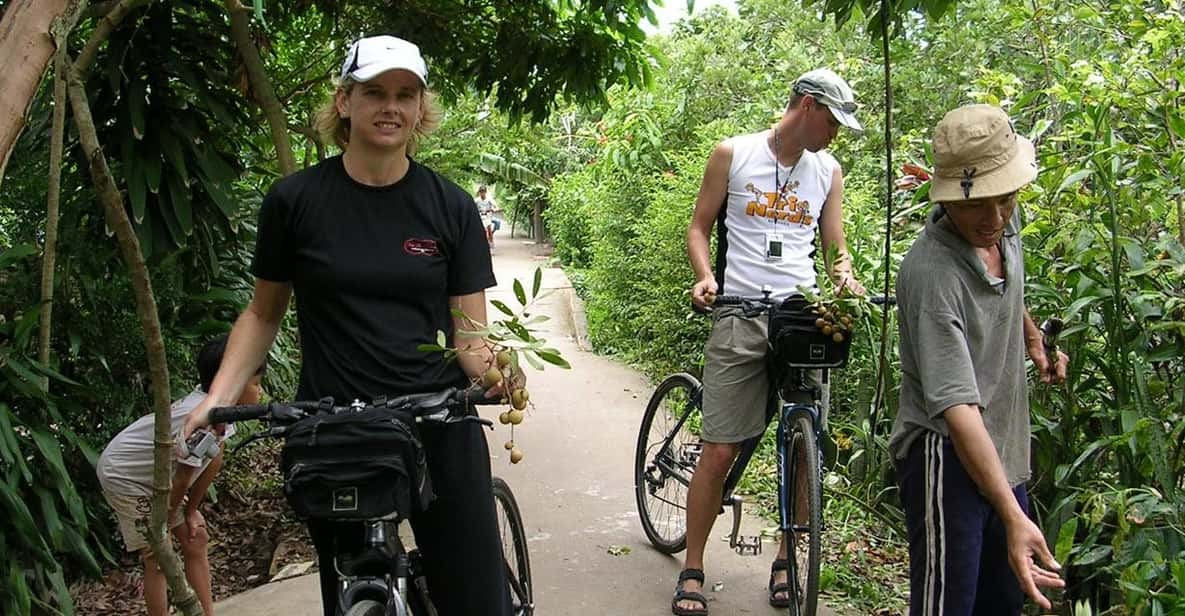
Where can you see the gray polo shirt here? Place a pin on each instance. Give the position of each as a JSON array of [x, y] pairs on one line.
[[962, 341]]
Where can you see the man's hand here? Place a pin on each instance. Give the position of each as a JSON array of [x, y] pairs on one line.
[[1049, 373], [1026, 544], [846, 284], [705, 287]]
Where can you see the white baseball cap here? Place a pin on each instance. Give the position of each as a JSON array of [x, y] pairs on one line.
[[371, 56], [831, 90]]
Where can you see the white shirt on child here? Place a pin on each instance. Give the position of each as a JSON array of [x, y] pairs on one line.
[[125, 466]]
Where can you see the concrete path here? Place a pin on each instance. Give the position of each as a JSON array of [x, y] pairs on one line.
[[575, 486]]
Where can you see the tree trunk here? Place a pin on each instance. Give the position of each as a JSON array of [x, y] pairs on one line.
[[60, 31], [537, 222], [261, 86], [117, 220], [26, 48]]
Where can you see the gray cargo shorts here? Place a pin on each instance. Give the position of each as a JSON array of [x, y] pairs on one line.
[[736, 379]]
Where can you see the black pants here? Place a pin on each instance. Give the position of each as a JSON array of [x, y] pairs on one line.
[[457, 536]]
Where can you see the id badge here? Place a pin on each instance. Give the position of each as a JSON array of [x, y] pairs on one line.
[[773, 246]]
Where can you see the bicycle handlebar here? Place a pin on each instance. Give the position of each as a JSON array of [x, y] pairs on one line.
[[737, 300], [427, 407]]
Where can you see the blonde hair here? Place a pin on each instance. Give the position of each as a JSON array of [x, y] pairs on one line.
[[336, 129]]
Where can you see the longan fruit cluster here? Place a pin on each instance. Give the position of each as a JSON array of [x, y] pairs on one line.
[[517, 399], [831, 321]]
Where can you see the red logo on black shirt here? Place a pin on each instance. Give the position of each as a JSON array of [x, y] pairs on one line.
[[420, 248]]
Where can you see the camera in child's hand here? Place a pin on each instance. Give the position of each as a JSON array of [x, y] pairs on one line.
[[202, 444]]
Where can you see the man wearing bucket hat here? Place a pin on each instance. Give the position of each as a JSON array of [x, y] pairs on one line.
[[768, 194], [961, 437]]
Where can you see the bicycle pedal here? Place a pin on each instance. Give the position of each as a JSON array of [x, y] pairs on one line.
[[750, 545]]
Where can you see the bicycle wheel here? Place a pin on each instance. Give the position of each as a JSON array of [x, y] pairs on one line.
[[804, 508], [367, 607], [668, 450], [514, 549]]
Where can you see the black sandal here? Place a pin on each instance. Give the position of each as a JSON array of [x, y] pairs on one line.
[[780, 564], [683, 595]]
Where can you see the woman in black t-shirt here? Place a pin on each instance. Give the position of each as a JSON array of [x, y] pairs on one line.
[[378, 250]]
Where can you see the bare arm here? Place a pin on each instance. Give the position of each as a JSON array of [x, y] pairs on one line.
[[252, 336], [181, 478], [834, 240], [201, 486], [474, 352], [712, 192], [974, 447]]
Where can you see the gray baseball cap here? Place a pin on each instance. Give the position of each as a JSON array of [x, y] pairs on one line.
[[831, 90]]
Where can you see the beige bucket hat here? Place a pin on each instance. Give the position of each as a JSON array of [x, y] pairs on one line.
[[977, 154]]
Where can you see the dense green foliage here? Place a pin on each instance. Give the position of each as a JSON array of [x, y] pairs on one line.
[[1098, 87], [1097, 84], [190, 152]]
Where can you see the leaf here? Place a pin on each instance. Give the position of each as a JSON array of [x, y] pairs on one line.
[[538, 282], [553, 358], [172, 151], [519, 294], [1072, 179], [21, 520], [182, 205], [1093, 555], [18, 590], [1065, 540], [80, 549], [60, 589], [531, 359], [502, 307], [441, 338], [52, 452], [16, 253], [429, 348]]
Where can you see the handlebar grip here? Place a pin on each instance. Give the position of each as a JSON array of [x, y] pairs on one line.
[[880, 300], [476, 395], [728, 300], [231, 414]]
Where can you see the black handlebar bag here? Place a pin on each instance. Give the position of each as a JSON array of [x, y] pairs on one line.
[[360, 465], [795, 341]]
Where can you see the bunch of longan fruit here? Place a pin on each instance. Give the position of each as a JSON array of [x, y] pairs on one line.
[[832, 321], [517, 398]]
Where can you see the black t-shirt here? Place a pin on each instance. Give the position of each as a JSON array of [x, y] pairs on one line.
[[372, 269]]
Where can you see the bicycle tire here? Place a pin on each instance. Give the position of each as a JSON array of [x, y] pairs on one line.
[[367, 607], [518, 562], [667, 452], [804, 560]]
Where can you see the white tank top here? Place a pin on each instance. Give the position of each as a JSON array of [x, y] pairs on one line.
[[755, 207]]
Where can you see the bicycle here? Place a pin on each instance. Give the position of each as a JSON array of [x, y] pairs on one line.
[[378, 578], [669, 448]]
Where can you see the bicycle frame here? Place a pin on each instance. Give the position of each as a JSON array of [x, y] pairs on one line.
[[381, 543]]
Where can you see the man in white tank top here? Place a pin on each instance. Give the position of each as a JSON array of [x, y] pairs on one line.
[[768, 194]]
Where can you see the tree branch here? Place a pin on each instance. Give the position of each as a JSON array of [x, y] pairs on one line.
[[117, 220], [60, 31], [106, 25], [261, 86]]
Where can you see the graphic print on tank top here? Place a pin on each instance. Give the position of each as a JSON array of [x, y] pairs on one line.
[[756, 207]]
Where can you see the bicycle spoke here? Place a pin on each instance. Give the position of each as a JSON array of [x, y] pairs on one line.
[[668, 451]]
